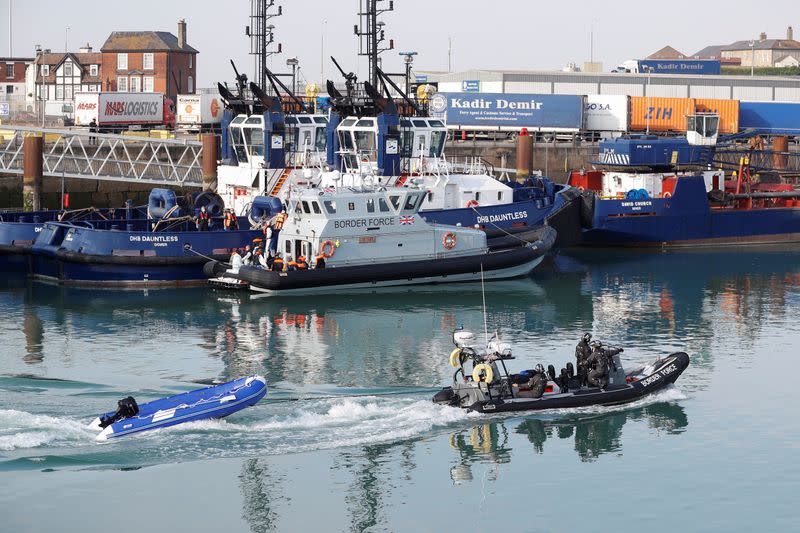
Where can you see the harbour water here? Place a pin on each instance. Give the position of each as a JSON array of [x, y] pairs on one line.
[[347, 438]]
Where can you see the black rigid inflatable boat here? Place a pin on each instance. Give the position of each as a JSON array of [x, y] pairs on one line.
[[489, 388]]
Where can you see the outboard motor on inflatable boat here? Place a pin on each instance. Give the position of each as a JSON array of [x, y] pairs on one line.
[[264, 208], [126, 408]]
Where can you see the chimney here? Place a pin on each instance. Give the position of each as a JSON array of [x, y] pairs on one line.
[[86, 49], [182, 33], [763, 36], [790, 34]]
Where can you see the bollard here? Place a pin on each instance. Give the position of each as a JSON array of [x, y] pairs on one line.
[[780, 155], [524, 154], [32, 174], [210, 158]]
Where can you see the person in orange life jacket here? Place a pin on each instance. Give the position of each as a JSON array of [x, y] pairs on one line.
[[262, 261], [291, 265], [277, 226], [277, 264], [301, 263], [230, 221], [203, 219]]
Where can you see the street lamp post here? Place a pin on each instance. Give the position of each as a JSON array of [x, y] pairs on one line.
[[752, 58], [408, 59], [648, 111], [293, 62]]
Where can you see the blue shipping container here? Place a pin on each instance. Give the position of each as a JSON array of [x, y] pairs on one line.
[[496, 110], [770, 117], [682, 66]]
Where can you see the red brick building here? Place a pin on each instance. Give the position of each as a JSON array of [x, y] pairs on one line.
[[149, 61], [12, 75]]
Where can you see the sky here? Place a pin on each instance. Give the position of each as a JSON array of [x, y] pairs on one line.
[[495, 34]]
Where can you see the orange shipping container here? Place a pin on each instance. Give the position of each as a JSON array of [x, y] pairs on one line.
[[669, 114]]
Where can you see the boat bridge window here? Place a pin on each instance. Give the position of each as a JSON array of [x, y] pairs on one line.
[[370, 205], [407, 144], [395, 199], [316, 208], [365, 123], [306, 208], [255, 140], [477, 197], [237, 138], [290, 121], [430, 196], [420, 123], [254, 120], [436, 124], [321, 120], [383, 206], [438, 139], [330, 206], [346, 140], [321, 143], [411, 202], [347, 123], [365, 142], [238, 120], [351, 206], [305, 120]]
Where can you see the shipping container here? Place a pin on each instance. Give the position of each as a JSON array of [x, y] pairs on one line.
[[117, 110], [509, 112], [198, 110], [770, 117], [669, 114], [606, 113], [681, 66]]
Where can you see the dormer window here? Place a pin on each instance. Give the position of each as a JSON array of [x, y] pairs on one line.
[[93, 70], [45, 70], [68, 68]]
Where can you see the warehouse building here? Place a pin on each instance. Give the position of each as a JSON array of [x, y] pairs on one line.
[[754, 89]]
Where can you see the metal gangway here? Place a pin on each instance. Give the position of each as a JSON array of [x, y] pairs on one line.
[[127, 158]]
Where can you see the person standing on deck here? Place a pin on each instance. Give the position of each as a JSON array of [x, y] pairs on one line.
[[203, 219], [277, 226]]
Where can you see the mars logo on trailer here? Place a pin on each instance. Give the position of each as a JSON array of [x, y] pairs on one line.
[[131, 108], [87, 106]]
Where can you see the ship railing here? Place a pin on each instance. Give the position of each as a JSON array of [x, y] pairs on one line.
[[441, 166]]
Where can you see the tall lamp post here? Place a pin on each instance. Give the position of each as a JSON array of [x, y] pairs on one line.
[[649, 112], [293, 62], [752, 58], [408, 59]]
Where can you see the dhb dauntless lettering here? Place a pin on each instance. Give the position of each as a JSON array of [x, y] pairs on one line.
[[504, 217], [154, 238]]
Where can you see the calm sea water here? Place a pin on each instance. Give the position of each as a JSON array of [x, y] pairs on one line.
[[347, 438]]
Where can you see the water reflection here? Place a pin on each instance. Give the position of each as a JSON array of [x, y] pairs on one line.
[[260, 492], [592, 436]]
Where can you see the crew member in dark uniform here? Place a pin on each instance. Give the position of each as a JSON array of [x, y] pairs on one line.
[[601, 360], [582, 352]]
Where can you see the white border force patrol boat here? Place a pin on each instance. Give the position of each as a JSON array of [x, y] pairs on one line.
[[374, 237]]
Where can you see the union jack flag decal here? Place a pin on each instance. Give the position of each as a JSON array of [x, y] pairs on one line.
[[406, 221]]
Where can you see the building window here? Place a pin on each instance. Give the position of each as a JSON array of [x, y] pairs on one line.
[[68, 68], [148, 84], [122, 84], [68, 92], [45, 70], [9, 70], [136, 84], [190, 85], [59, 92], [93, 70], [147, 61], [122, 61], [191, 60]]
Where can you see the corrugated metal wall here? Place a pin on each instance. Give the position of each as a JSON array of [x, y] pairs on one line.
[[529, 87], [622, 89], [576, 88], [753, 94], [705, 91], [787, 94], [667, 91]]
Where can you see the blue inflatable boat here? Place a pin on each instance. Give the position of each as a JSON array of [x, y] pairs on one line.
[[218, 401]]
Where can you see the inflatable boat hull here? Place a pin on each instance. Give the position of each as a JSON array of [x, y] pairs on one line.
[[664, 373], [218, 401]]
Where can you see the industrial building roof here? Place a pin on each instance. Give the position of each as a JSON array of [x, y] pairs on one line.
[[148, 41], [763, 44]]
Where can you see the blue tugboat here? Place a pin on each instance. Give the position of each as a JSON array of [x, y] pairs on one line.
[[165, 249], [19, 229], [645, 202], [373, 140]]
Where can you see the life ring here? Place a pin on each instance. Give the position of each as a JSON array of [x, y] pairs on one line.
[[581, 189], [455, 358], [667, 194], [473, 203], [484, 369], [449, 240], [327, 249]]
